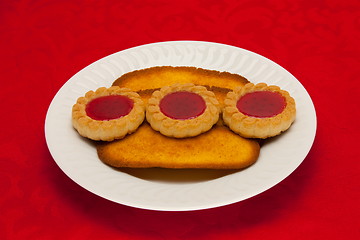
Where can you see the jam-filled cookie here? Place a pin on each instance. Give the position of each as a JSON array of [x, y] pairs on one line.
[[108, 113], [182, 110], [259, 111]]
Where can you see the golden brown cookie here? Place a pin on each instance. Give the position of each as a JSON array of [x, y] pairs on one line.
[[108, 113], [259, 111], [182, 110]]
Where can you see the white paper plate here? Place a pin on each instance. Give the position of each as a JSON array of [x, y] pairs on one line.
[[178, 190]]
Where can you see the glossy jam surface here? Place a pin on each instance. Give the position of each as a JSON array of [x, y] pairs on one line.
[[109, 107], [182, 105], [261, 104]]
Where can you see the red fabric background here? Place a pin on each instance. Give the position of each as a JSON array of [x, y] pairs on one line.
[[43, 43]]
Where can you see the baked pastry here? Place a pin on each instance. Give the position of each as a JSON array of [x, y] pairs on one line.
[[108, 113], [161, 76], [215, 149], [182, 110], [259, 111]]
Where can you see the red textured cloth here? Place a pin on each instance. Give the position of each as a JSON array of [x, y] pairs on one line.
[[43, 43]]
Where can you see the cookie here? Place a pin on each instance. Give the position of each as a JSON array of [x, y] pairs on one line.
[[259, 111], [182, 110], [108, 113]]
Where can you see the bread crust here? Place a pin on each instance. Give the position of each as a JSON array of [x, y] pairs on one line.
[[107, 130], [182, 128], [253, 127]]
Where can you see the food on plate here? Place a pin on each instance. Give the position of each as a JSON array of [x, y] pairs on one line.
[[108, 113], [182, 110], [184, 127], [259, 110], [215, 149]]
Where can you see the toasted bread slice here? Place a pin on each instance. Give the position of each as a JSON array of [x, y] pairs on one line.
[[218, 148], [146, 81], [158, 77]]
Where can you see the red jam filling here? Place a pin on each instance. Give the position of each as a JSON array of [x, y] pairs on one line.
[[261, 104], [109, 107], [182, 105]]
